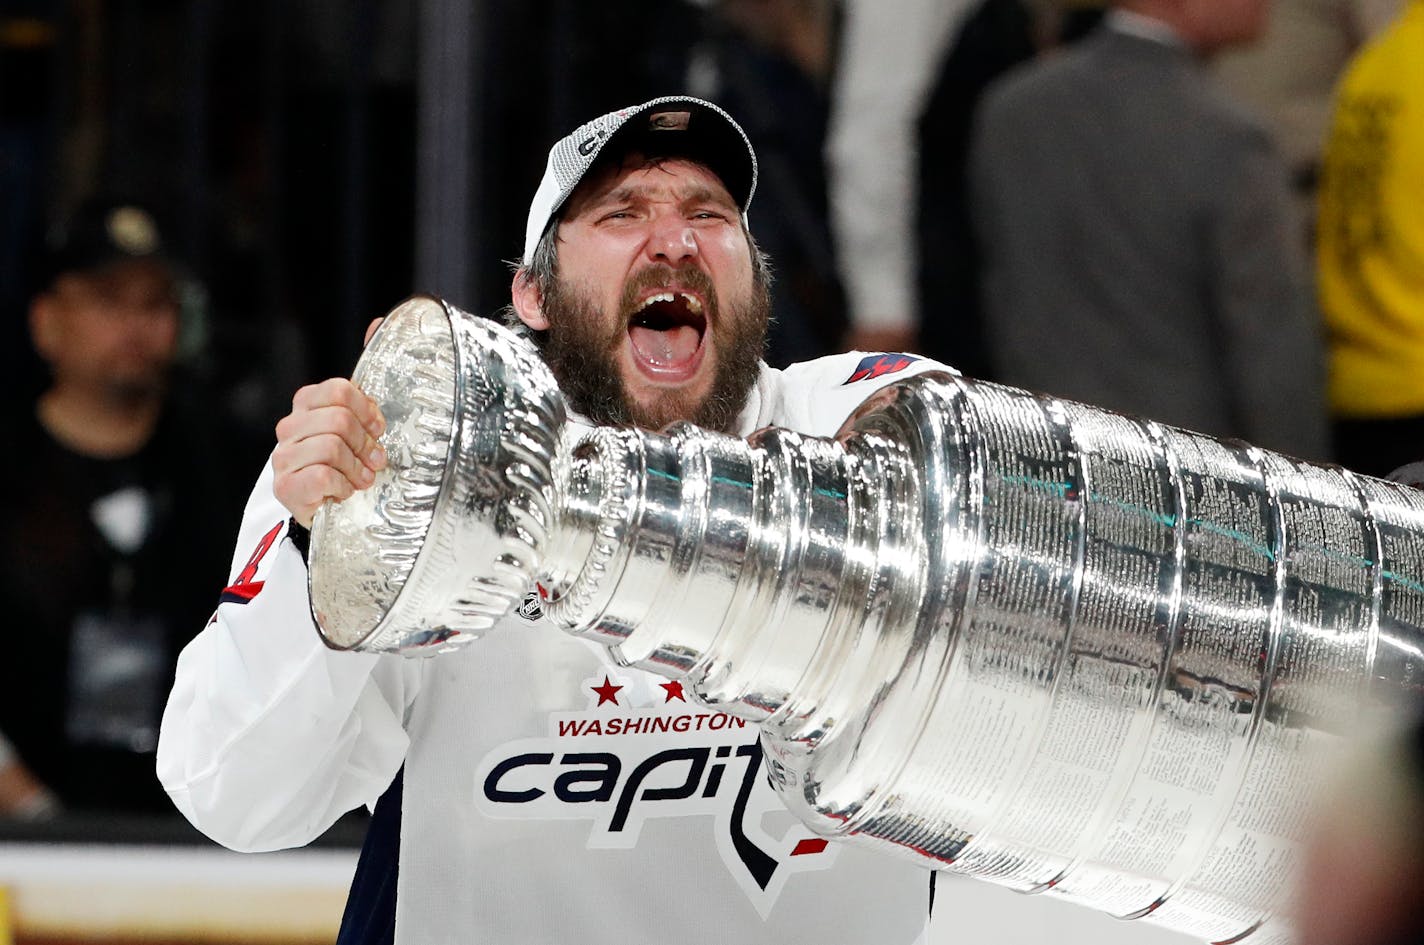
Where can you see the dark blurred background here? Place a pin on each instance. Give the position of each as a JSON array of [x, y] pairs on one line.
[[315, 163]]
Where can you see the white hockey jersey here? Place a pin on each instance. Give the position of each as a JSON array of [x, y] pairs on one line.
[[550, 794]]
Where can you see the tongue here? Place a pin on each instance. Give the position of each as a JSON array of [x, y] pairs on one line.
[[668, 346]]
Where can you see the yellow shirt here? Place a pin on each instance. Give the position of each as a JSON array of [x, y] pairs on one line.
[[1370, 245]]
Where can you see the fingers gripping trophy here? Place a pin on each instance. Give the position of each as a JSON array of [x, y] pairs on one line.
[[1029, 640]]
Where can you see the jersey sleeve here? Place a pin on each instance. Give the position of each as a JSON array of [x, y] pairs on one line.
[[269, 736]]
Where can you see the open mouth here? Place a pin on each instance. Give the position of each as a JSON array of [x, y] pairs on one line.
[[666, 334]]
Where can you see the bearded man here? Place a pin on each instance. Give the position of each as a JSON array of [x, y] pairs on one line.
[[526, 788]]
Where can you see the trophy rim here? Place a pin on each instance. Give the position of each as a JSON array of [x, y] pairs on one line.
[[419, 303]]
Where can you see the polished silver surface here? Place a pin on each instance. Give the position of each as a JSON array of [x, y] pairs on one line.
[[446, 539], [1064, 650]]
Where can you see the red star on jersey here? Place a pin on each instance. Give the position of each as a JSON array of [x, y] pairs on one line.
[[606, 692], [674, 691]]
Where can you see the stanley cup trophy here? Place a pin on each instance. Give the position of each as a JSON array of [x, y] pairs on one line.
[[998, 633]]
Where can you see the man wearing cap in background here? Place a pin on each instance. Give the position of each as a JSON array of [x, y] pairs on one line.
[[530, 789], [120, 498]]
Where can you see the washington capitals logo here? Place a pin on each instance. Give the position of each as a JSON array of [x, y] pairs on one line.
[[878, 365], [640, 751]]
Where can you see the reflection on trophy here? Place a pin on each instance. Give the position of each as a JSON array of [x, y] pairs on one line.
[[998, 633]]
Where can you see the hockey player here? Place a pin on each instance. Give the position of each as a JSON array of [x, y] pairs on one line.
[[530, 789]]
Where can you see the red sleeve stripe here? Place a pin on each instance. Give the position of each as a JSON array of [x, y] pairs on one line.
[[244, 588], [240, 593]]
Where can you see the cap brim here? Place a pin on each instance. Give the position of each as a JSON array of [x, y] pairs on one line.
[[688, 128]]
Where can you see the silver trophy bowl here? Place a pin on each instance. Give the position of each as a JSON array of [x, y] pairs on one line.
[[444, 542], [1065, 650]]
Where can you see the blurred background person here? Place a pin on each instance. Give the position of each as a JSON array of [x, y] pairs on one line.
[[124, 479], [1137, 236], [887, 58], [997, 36], [1288, 77], [909, 79], [1370, 259]]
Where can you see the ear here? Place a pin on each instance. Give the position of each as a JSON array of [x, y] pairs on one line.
[[528, 301], [44, 325]]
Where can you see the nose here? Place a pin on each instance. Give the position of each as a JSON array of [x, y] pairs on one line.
[[672, 240]]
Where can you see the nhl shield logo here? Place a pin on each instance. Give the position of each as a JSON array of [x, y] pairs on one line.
[[530, 608]]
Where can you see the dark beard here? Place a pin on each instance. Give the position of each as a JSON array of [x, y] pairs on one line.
[[584, 361]]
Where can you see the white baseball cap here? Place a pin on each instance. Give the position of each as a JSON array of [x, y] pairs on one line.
[[671, 126]]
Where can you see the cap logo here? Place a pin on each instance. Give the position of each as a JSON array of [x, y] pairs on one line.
[[132, 231], [587, 145], [669, 121]]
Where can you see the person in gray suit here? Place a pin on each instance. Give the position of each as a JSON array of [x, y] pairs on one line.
[[1140, 247]]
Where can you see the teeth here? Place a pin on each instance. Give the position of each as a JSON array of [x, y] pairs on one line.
[[694, 305]]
